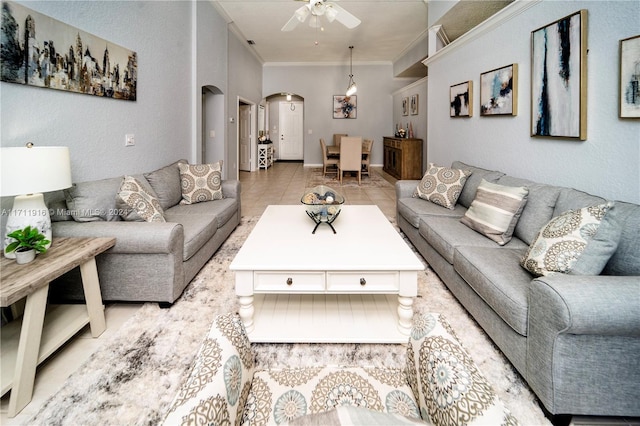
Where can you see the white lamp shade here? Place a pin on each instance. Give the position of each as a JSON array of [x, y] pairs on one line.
[[34, 170]]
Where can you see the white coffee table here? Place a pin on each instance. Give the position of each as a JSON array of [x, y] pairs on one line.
[[356, 285]]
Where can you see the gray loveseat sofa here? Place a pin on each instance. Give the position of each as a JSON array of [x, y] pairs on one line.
[[574, 338], [151, 261]]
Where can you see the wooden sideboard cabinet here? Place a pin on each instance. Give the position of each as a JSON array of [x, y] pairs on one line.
[[403, 157]]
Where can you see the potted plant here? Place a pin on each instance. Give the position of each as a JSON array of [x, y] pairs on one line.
[[28, 241]]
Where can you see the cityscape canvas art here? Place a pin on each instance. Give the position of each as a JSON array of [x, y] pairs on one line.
[[40, 51], [558, 78]]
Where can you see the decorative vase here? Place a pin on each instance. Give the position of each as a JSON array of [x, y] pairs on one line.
[[25, 256]]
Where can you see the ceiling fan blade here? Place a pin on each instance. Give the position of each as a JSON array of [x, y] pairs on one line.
[[344, 17], [300, 15]]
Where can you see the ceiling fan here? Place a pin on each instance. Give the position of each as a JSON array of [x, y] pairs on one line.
[[317, 8]]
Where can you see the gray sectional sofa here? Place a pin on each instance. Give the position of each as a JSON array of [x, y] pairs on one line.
[[151, 261], [574, 338]]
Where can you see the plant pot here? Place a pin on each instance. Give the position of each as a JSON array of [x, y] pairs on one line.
[[25, 256]]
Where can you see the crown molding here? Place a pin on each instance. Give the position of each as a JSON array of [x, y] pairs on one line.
[[502, 16], [411, 86]]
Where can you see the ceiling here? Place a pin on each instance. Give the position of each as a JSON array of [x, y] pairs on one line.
[[388, 29]]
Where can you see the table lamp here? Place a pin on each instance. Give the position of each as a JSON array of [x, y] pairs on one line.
[[27, 172]]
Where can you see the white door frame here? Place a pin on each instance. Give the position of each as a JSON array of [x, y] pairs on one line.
[[254, 146]]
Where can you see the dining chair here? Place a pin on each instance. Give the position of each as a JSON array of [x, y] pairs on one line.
[[350, 156], [367, 144], [337, 137], [326, 160]]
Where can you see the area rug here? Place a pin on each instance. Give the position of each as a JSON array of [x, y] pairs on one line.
[[133, 377], [373, 180]]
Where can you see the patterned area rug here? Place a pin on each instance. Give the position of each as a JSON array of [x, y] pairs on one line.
[[133, 378], [373, 180]]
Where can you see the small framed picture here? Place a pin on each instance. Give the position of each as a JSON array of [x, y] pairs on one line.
[[345, 106], [499, 91], [405, 106], [413, 104], [461, 97], [630, 77]]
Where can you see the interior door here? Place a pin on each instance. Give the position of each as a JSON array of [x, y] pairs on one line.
[[291, 141], [244, 136]]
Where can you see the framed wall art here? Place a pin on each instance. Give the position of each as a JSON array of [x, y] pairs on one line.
[[461, 97], [41, 51], [405, 106], [559, 78], [413, 104], [630, 77], [345, 106], [499, 91]]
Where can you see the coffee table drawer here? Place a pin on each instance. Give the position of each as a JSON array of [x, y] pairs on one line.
[[289, 282], [367, 282]]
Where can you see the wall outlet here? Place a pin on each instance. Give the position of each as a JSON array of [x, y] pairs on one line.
[[129, 140]]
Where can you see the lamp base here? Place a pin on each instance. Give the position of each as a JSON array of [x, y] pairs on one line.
[[27, 210]]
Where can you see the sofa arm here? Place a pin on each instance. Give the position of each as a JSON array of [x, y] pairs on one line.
[[217, 387], [406, 188], [131, 237], [587, 304], [433, 349], [231, 188]]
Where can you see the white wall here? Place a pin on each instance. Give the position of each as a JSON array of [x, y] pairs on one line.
[[94, 128], [318, 83], [606, 164]]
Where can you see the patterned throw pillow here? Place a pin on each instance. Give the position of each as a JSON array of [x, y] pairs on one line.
[[560, 244], [449, 387], [201, 182], [136, 204], [495, 210], [442, 185]]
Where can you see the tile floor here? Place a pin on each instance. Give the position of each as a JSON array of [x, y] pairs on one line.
[[283, 183]]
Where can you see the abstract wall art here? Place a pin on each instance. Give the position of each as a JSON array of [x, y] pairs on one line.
[[630, 77], [559, 78], [413, 104], [499, 91], [40, 51], [405, 106], [461, 97], [345, 106]]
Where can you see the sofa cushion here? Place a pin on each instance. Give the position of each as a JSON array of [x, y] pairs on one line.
[[496, 210], [441, 185], [626, 258], [471, 185], [561, 242], [496, 276], [539, 209], [201, 182], [217, 388], [93, 200], [448, 385], [445, 234], [198, 229], [166, 184], [573, 199], [222, 210], [136, 204], [414, 208], [286, 394]]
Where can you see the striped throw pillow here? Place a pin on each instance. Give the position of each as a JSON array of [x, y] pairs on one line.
[[495, 210]]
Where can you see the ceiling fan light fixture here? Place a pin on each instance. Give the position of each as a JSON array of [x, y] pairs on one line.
[[302, 13], [351, 87]]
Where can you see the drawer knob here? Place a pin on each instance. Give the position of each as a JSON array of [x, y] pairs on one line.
[[289, 281], [363, 281]]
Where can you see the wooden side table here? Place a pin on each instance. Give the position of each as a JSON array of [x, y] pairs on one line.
[[27, 343]]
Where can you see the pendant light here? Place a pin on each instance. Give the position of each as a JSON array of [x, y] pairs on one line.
[[351, 88]]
